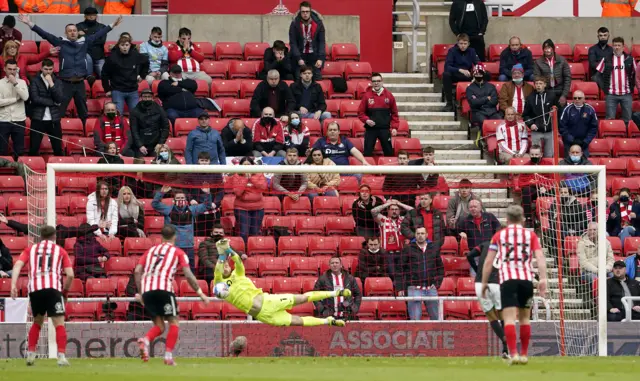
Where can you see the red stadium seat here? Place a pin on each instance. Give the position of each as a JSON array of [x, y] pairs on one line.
[[326, 205], [633, 166], [340, 225], [113, 246], [272, 205], [96, 287], [80, 146], [355, 70], [411, 145], [466, 286], [266, 284], [392, 310], [72, 126], [225, 88], [247, 87], [349, 109], [242, 69], [310, 225], [626, 147], [17, 205], [254, 51], [28, 47], [215, 69], [599, 106], [333, 70], [455, 266], [615, 167], [457, 310], [251, 266], [450, 246], [333, 106], [350, 245], [292, 245], [461, 90], [177, 145], [536, 50], [153, 224], [447, 288], [234, 108], [184, 126], [15, 244], [633, 131], [590, 89], [303, 266], [600, 148], [97, 91], [77, 289], [633, 183], [580, 52], [495, 50], [287, 285], [315, 129], [612, 129], [206, 48], [203, 88], [300, 207], [136, 246], [212, 311], [350, 93], [268, 222], [186, 290], [368, 310], [378, 286], [228, 51], [119, 266], [66, 184], [229, 312], [344, 52], [631, 245], [577, 72], [323, 246], [261, 246], [11, 185], [81, 311], [269, 266]]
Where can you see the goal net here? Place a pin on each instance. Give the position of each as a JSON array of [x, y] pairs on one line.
[[291, 221]]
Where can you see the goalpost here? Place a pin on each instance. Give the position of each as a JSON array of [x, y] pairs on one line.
[[578, 332]]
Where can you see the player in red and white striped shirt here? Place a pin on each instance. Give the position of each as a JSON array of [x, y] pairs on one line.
[[154, 278], [511, 251], [47, 296], [618, 71], [512, 137]]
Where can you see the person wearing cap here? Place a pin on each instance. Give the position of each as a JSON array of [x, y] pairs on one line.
[[89, 27], [516, 54], [457, 68], [178, 95], [458, 207], [149, 125], [205, 139], [366, 225], [588, 254], [514, 93], [482, 97], [116, 7], [8, 31], [619, 286], [556, 70]]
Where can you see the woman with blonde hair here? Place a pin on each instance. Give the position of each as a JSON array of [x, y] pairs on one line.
[[321, 184], [130, 214], [11, 51], [164, 155]]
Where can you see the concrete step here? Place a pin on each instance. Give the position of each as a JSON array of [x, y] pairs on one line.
[[433, 126], [399, 78], [449, 144], [417, 97], [410, 87], [427, 116], [457, 155], [575, 314], [420, 106], [444, 135]]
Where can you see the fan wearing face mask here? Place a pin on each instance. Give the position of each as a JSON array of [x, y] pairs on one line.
[[514, 93], [149, 125], [572, 219], [599, 51], [622, 219]]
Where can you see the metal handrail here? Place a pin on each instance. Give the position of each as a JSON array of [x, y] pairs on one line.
[[413, 36], [626, 301]]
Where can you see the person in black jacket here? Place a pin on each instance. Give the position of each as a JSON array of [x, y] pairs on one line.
[[516, 54], [278, 58], [275, 94], [6, 261], [373, 261], [178, 95], [538, 117], [482, 97], [478, 226], [307, 40], [616, 291], [121, 73], [237, 138], [89, 27], [366, 225], [309, 96], [149, 126], [470, 17], [62, 232], [45, 94], [331, 280], [599, 51]]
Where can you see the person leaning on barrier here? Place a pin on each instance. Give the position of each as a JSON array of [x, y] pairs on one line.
[[619, 286]]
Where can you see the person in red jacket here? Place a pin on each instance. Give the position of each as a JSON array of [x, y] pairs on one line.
[[10, 52], [248, 205], [112, 127], [379, 113], [187, 55]]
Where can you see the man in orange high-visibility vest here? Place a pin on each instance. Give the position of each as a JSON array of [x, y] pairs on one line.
[[618, 8], [116, 7]]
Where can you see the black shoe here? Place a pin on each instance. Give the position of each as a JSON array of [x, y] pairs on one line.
[[91, 79], [448, 108], [505, 354]]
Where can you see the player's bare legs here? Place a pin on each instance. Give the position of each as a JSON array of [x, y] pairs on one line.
[[172, 339], [313, 296], [155, 331], [510, 314], [34, 335], [525, 333], [497, 326], [61, 339]]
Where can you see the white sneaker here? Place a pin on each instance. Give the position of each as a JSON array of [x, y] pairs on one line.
[[62, 360], [524, 360], [514, 360], [31, 358]]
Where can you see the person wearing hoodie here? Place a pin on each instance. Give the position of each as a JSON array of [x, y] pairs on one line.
[[470, 17], [158, 55], [379, 113], [237, 138], [182, 216], [268, 136], [90, 256], [372, 261], [296, 134], [275, 94], [149, 125], [292, 184], [205, 139], [482, 97], [89, 27], [578, 123], [248, 206], [458, 67], [516, 54], [599, 51], [515, 92], [110, 156], [618, 80], [309, 97], [556, 70], [307, 40], [278, 58], [112, 127], [121, 73], [538, 117], [178, 95]]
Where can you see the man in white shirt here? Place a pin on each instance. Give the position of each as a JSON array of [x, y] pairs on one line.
[[13, 93], [512, 136]]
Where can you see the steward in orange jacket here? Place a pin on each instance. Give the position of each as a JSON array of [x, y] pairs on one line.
[[618, 8], [116, 7]]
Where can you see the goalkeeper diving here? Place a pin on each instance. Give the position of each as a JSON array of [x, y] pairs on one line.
[[235, 288]]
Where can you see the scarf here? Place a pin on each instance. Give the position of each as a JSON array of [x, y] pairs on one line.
[[552, 78], [113, 131], [129, 211], [308, 32], [625, 211]]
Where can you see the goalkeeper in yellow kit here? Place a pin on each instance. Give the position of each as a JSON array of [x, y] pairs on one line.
[[237, 289]]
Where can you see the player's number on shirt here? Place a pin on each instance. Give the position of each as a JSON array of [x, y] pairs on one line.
[[44, 266], [510, 255], [159, 260]]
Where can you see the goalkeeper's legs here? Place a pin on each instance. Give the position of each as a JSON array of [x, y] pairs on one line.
[[314, 296], [310, 321]]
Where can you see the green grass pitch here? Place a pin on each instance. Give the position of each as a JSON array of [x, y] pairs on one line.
[[323, 369]]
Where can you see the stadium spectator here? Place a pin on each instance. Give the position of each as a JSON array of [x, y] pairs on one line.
[[482, 97], [478, 226], [458, 207], [112, 127], [470, 17], [13, 94], [237, 138], [390, 232], [278, 58], [622, 216], [538, 117], [618, 79], [428, 181], [572, 220], [90, 256], [618, 8], [6, 261], [514, 93], [294, 183], [208, 253], [458, 67], [528, 186], [598, 52], [122, 71], [619, 286], [149, 125], [379, 113], [307, 40], [579, 183], [120, 7], [73, 52], [63, 232], [30, 6], [371, 261], [45, 93], [516, 54], [592, 206], [158, 55], [205, 221], [588, 254], [423, 271], [62, 7], [556, 70], [95, 54], [164, 155], [268, 136], [130, 214], [337, 148], [177, 95], [321, 184], [204, 139], [424, 215], [248, 204], [102, 210], [578, 123], [296, 134], [11, 51], [512, 137], [274, 94], [337, 279], [188, 57], [361, 210], [182, 216], [8, 31], [309, 97], [396, 185]]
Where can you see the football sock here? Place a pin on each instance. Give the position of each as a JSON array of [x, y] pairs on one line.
[[153, 333], [310, 321], [497, 328], [61, 339], [34, 334], [172, 337], [510, 336], [525, 336], [314, 296]]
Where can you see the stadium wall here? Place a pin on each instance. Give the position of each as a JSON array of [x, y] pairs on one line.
[[358, 339]]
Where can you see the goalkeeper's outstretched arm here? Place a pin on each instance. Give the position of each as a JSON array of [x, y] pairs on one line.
[[238, 262]]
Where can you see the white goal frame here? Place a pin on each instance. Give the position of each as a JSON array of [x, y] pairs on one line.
[[598, 170]]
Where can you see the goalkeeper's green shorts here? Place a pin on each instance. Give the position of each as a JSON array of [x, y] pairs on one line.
[[274, 309]]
